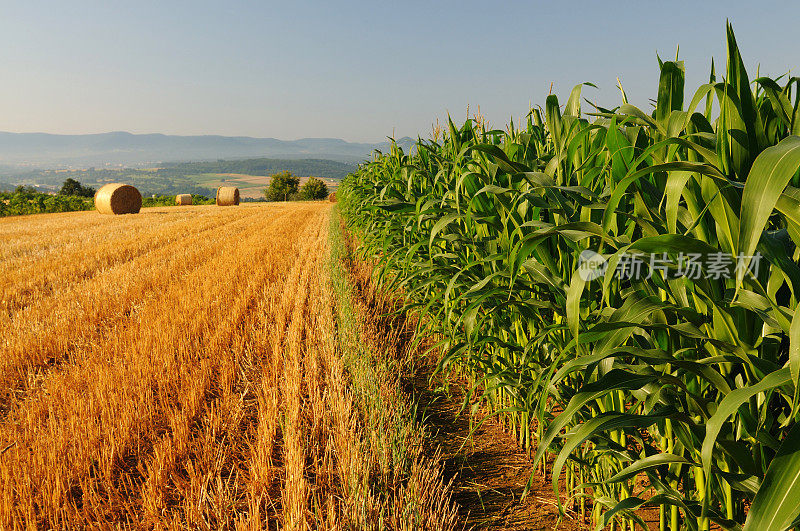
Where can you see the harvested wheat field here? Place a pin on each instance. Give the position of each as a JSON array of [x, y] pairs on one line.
[[213, 368]]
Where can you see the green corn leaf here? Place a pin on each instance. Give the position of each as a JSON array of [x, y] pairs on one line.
[[794, 356], [780, 101], [674, 244], [553, 117], [573, 302], [771, 172], [440, 225], [670, 89], [573, 107], [600, 424], [740, 83], [730, 404], [777, 503], [676, 181], [647, 463], [614, 379]]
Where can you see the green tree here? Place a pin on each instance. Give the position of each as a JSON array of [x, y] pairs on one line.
[[282, 186], [73, 187], [314, 189]]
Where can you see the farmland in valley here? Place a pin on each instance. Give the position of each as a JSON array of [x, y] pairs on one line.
[[250, 186], [201, 178]]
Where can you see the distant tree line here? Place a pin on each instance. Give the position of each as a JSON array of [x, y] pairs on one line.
[[73, 196], [27, 200]]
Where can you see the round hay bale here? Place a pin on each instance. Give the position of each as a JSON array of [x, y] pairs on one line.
[[183, 199], [227, 196], [118, 198], [332, 197]]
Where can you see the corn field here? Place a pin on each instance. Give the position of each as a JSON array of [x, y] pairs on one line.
[[662, 389]]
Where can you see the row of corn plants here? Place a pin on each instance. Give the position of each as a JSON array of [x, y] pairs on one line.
[[660, 389]]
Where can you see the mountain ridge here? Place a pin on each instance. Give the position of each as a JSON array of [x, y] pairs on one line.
[[123, 147]]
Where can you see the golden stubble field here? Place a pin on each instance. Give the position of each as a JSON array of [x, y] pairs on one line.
[[152, 368]]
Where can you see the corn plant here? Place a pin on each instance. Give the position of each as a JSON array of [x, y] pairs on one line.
[[660, 389]]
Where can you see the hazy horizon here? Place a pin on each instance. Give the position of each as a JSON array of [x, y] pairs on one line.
[[149, 133], [358, 71]]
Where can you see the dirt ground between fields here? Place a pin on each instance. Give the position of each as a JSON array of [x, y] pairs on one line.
[[489, 471]]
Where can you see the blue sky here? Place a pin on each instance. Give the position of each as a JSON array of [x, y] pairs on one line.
[[354, 70]]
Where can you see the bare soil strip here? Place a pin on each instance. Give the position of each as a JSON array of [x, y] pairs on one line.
[[488, 469]]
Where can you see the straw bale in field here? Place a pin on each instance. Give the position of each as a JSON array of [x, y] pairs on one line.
[[227, 196], [183, 199], [118, 198], [332, 197]]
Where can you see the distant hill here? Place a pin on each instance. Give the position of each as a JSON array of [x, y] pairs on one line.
[[327, 169], [48, 150], [250, 175]]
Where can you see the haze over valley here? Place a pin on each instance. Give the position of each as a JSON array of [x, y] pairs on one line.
[[128, 149]]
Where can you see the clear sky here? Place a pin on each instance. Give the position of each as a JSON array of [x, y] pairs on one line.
[[359, 70]]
